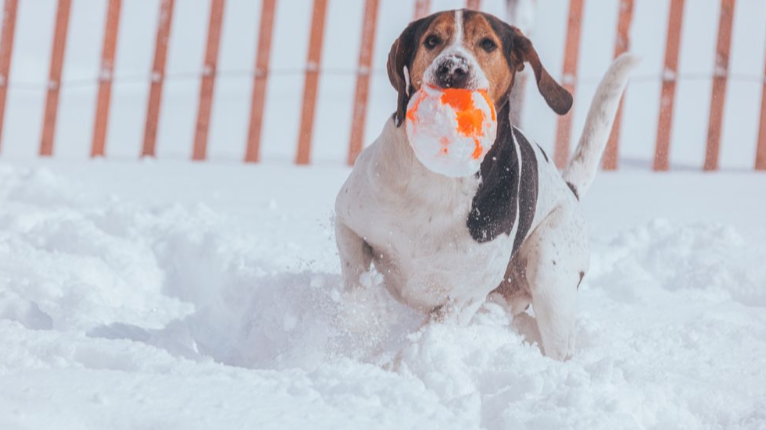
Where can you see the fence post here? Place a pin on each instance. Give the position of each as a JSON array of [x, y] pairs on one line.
[[359, 114], [760, 154], [105, 78], [473, 4], [265, 32], [422, 8], [611, 154], [208, 80], [720, 76], [6, 51], [158, 77], [312, 82], [54, 77], [571, 54], [668, 95]]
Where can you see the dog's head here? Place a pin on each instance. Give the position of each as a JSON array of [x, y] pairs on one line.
[[467, 49]]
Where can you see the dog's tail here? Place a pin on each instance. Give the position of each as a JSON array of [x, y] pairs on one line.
[[582, 169]]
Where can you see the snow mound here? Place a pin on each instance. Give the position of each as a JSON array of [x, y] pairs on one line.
[[695, 259], [120, 314]]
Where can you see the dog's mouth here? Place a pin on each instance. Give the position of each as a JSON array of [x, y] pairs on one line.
[[455, 71]]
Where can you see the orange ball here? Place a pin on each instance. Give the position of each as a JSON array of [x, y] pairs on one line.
[[451, 130]]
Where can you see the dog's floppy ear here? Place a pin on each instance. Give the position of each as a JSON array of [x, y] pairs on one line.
[[398, 74], [400, 62], [518, 50], [558, 98]]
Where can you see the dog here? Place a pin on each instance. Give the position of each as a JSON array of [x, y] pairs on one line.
[[515, 228]]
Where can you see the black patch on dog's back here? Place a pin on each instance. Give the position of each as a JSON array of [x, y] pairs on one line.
[[493, 209], [527, 190], [500, 195]]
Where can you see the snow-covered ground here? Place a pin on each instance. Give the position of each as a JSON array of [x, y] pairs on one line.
[[182, 296]]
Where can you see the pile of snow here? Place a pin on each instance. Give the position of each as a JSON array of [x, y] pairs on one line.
[[167, 312]]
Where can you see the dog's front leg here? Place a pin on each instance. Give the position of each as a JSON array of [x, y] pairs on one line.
[[355, 254]]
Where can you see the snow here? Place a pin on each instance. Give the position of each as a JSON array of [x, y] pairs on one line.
[[173, 295]]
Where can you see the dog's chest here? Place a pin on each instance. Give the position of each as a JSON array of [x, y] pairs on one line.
[[422, 244]]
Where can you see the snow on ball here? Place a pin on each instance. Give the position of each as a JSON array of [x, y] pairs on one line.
[[451, 130]]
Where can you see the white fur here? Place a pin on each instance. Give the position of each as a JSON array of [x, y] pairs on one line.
[[406, 73], [411, 223], [519, 160], [414, 219], [459, 27]]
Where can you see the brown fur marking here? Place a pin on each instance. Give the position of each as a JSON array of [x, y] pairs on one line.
[[476, 29], [444, 28]]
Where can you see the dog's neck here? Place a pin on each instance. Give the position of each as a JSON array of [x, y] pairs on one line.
[[395, 167]]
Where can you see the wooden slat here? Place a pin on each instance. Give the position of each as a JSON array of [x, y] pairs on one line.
[[158, 77], [207, 86], [422, 9], [571, 55], [105, 78], [668, 95], [258, 102], [622, 45], [361, 94], [6, 50], [760, 154], [720, 77], [311, 85], [54, 77], [473, 4]]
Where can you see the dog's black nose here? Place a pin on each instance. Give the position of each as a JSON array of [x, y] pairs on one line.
[[452, 72]]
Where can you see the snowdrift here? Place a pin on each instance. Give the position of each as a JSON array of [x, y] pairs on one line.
[[197, 303]]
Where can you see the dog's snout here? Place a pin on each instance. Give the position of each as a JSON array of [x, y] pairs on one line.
[[452, 72]]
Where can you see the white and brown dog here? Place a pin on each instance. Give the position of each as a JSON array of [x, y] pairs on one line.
[[444, 244]]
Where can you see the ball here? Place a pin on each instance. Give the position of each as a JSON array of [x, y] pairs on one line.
[[451, 130]]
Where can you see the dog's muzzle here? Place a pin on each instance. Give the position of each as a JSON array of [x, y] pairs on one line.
[[452, 71]]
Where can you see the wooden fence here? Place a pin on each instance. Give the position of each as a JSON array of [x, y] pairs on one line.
[[364, 70]]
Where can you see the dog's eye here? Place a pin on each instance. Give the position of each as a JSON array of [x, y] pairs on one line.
[[432, 41], [488, 45]]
